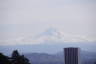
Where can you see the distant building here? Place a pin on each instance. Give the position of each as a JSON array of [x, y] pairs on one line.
[[71, 55]]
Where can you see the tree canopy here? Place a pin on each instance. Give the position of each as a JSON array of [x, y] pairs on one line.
[[16, 58]]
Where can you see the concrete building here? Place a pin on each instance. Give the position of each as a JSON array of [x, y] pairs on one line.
[[72, 55]]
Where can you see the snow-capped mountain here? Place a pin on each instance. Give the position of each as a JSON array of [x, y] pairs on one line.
[[50, 35], [55, 35], [59, 36]]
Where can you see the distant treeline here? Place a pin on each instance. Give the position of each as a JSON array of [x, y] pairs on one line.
[[15, 58]]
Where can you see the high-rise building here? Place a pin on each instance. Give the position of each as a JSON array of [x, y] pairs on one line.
[[71, 55]]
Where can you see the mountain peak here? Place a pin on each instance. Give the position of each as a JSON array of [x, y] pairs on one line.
[[51, 31]]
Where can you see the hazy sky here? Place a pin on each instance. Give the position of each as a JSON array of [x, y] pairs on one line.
[[21, 18]]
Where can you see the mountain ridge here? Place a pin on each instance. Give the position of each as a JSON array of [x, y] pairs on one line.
[[50, 48], [45, 58]]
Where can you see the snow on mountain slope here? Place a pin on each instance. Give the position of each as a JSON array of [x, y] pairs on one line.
[[50, 35], [59, 36]]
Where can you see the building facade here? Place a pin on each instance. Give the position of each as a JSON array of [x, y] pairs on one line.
[[72, 55]]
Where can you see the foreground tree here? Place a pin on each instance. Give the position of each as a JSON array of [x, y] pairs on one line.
[[19, 59], [4, 59]]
